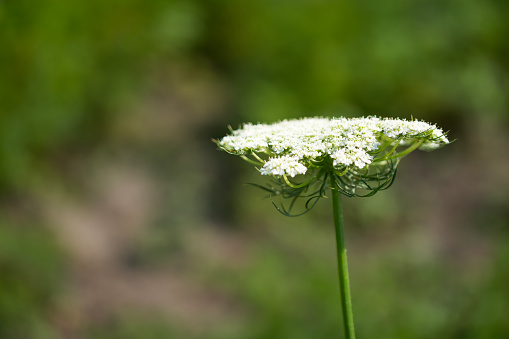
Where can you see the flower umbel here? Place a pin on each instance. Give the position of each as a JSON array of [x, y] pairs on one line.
[[354, 157], [360, 154]]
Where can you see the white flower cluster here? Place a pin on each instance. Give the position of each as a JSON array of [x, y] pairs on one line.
[[293, 144], [286, 164]]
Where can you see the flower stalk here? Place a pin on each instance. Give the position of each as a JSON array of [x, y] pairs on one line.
[[344, 281]]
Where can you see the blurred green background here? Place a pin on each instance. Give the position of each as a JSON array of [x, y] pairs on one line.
[[120, 219]]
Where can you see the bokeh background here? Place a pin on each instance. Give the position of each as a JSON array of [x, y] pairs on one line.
[[120, 219]]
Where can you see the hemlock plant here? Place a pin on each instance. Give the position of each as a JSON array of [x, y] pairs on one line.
[[355, 157]]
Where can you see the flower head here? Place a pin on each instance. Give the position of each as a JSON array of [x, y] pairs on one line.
[[294, 146], [358, 157]]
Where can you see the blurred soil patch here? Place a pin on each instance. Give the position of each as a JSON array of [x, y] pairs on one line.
[[101, 230]]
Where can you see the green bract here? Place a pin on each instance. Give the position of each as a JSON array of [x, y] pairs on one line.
[[360, 155]]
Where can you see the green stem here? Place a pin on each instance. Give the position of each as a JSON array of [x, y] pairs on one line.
[[344, 282], [298, 185], [406, 151], [251, 161]]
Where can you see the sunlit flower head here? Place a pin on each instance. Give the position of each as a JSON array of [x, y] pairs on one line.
[[291, 147]]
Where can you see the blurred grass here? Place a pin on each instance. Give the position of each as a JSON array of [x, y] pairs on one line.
[[31, 269], [137, 89]]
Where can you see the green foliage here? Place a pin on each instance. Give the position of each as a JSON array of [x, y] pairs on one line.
[[69, 69], [397, 57], [289, 288], [30, 275]]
